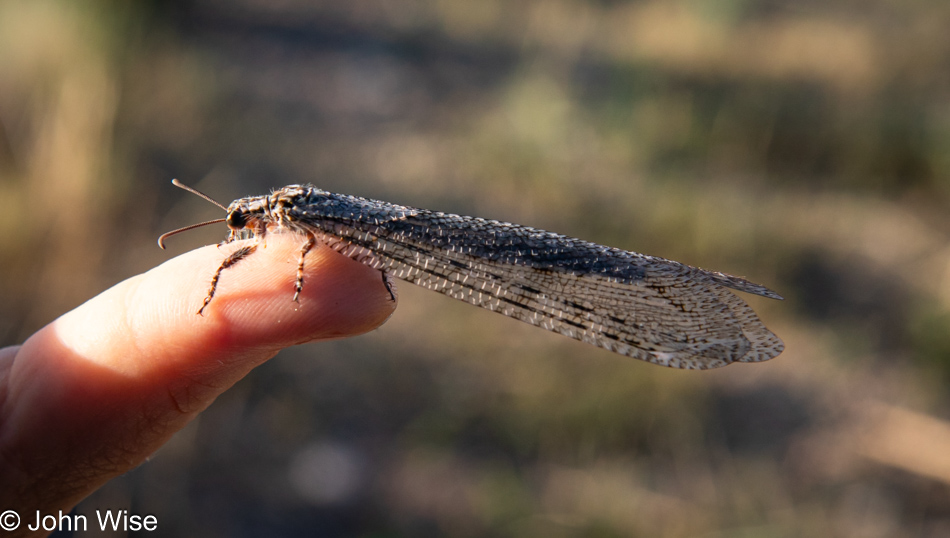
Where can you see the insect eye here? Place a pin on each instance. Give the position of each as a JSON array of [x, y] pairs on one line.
[[236, 220]]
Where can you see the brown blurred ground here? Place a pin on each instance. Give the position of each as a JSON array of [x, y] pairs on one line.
[[805, 145]]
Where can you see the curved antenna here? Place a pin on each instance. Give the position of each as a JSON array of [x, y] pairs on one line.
[[181, 185], [161, 240]]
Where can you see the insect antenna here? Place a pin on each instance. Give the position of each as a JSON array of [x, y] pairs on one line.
[[179, 184], [192, 190], [161, 240]]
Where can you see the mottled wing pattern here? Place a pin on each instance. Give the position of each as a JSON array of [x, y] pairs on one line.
[[644, 307]]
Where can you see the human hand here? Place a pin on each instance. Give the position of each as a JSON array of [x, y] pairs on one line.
[[94, 393]]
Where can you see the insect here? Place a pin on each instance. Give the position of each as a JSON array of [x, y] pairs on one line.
[[646, 307]]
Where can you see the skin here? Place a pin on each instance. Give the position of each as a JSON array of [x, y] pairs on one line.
[[96, 392]]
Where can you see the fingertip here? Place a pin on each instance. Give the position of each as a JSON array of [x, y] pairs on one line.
[[150, 322], [255, 302], [94, 393]]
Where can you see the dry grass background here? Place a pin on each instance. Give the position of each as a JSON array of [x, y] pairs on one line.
[[803, 144]]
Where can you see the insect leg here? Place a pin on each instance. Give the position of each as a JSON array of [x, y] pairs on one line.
[[235, 257], [298, 286], [388, 282]]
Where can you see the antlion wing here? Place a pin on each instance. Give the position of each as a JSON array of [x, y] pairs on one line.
[[644, 307]]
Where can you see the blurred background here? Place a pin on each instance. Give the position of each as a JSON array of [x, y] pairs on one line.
[[805, 145]]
